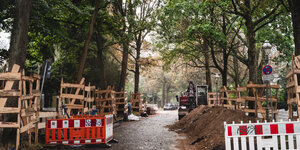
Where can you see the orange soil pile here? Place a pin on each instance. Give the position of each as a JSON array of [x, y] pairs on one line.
[[205, 126]]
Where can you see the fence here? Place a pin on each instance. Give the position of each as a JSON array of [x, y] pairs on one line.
[[80, 130], [273, 135]]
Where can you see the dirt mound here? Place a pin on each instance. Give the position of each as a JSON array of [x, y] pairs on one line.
[[205, 126]]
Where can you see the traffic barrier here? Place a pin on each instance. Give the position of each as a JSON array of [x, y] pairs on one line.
[[270, 135], [80, 130]]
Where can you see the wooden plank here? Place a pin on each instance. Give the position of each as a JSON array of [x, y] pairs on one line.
[[289, 74], [8, 110], [72, 96], [90, 88], [10, 76], [74, 106], [8, 93], [9, 125], [235, 143], [42, 125], [70, 85], [47, 114], [9, 84], [27, 97], [27, 78], [27, 127]]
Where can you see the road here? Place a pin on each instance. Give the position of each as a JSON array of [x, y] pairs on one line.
[[147, 134]]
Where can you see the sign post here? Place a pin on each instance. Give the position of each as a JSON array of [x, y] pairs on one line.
[[267, 71]]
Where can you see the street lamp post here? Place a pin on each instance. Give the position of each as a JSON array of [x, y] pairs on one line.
[[216, 79], [267, 51]]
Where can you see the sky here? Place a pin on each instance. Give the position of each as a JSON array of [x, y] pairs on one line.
[[4, 40]]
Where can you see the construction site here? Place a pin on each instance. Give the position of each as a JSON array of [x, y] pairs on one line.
[[149, 74]]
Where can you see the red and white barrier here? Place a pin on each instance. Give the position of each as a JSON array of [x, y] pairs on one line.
[[267, 135], [80, 130]]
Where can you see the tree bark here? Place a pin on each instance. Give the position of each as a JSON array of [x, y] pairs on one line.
[[167, 93], [86, 43], [295, 10], [236, 72], [19, 35], [207, 72], [124, 65], [207, 69], [163, 92], [100, 59], [252, 57], [137, 63]]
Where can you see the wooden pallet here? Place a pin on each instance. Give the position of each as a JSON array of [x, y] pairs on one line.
[[26, 92], [255, 92], [105, 101], [89, 98], [121, 103], [228, 98], [293, 88], [213, 99], [136, 102], [72, 96]]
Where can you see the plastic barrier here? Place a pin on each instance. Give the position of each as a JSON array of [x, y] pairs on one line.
[[80, 130], [273, 135]]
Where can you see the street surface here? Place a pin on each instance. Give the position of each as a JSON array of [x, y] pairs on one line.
[[147, 134]]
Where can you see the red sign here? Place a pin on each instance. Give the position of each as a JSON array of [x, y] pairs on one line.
[[267, 70]]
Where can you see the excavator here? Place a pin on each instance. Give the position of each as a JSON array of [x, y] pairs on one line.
[[193, 97]]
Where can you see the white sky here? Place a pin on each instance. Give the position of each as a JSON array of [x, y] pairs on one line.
[[4, 40]]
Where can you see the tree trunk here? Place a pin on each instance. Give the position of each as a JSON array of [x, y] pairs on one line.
[[19, 35], [295, 10], [207, 69], [225, 68], [87, 41], [137, 63], [100, 59], [124, 65], [163, 93], [236, 72], [167, 94], [252, 57]]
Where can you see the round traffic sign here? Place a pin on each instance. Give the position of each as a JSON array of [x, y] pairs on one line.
[[267, 69]]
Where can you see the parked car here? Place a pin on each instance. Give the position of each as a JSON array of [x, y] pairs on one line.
[[169, 107]]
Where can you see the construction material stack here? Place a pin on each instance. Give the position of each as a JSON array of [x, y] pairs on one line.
[[89, 98], [255, 94], [20, 98], [121, 103], [105, 101], [71, 97], [228, 98], [292, 87], [212, 99], [136, 102]]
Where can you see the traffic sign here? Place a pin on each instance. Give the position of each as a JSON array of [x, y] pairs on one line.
[[267, 69], [269, 77]]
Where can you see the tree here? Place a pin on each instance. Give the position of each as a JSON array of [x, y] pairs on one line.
[[256, 14], [87, 41], [295, 11], [19, 34]]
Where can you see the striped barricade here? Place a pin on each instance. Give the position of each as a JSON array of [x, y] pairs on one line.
[[80, 130], [273, 135]]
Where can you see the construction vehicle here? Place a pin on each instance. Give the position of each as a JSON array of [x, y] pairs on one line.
[[190, 100]]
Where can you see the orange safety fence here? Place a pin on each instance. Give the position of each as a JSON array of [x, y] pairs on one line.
[[79, 130]]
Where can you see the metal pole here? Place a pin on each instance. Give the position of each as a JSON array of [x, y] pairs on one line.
[[42, 87], [267, 109], [273, 116]]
